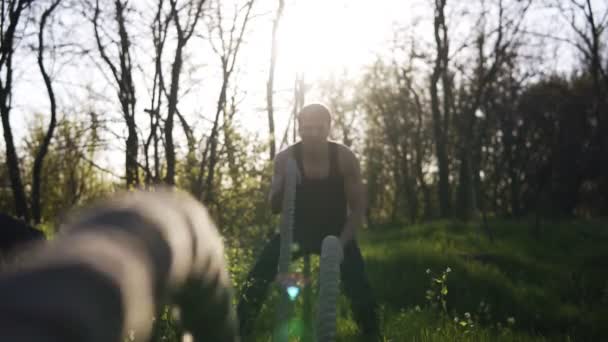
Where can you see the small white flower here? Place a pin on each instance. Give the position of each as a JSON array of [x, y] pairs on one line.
[[511, 320], [448, 269], [467, 315], [456, 319], [428, 271], [418, 308]]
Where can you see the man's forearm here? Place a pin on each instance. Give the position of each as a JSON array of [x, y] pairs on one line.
[[276, 200], [353, 222], [275, 196]]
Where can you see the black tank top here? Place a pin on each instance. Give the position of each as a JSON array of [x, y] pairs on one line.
[[320, 203]]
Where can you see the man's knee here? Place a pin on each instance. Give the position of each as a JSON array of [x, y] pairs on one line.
[[264, 268]]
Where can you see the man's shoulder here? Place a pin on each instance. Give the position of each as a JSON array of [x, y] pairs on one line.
[[282, 155], [344, 152], [347, 159], [286, 151]]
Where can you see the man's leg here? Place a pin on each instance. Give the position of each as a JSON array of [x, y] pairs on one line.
[[255, 289], [357, 288]]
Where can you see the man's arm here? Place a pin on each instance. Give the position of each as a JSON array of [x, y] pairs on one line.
[[275, 196], [355, 195]]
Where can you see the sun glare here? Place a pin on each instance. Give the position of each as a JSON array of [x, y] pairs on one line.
[[317, 37]]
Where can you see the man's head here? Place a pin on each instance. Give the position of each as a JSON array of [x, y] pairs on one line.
[[314, 123]]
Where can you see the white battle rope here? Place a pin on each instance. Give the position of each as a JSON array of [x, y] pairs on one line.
[[287, 222], [329, 281]]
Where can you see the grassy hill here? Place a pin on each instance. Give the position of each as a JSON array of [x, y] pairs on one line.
[[444, 281]]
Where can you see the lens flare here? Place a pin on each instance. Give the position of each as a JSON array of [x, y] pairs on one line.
[[293, 292]]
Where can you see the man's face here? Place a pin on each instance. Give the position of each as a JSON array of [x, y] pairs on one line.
[[313, 128]]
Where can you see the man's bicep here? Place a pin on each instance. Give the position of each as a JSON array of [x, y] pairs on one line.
[[275, 194], [354, 183], [278, 168], [276, 165]]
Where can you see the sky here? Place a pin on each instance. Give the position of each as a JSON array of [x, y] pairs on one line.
[[316, 37]]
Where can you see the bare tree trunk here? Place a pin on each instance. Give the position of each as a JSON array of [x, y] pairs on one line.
[[194, 10], [465, 185], [42, 151], [172, 106], [427, 212], [202, 187], [128, 102], [299, 98], [397, 193], [123, 76], [514, 189], [228, 55], [212, 144], [412, 195], [270, 83], [419, 150], [14, 12], [229, 112], [12, 161], [440, 126], [159, 35], [408, 182]]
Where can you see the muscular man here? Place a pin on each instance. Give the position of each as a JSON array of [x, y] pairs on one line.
[[329, 201]]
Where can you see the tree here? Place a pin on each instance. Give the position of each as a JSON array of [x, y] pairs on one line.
[[12, 12], [160, 26], [191, 12], [420, 138], [337, 92], [44, 146], [488, 65], [229, 44], [125, 86], [391, 108], [71, 175], [590, 43], [270, 82], [441, 118]]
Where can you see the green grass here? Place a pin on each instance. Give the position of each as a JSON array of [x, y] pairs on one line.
[[554, 288]]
